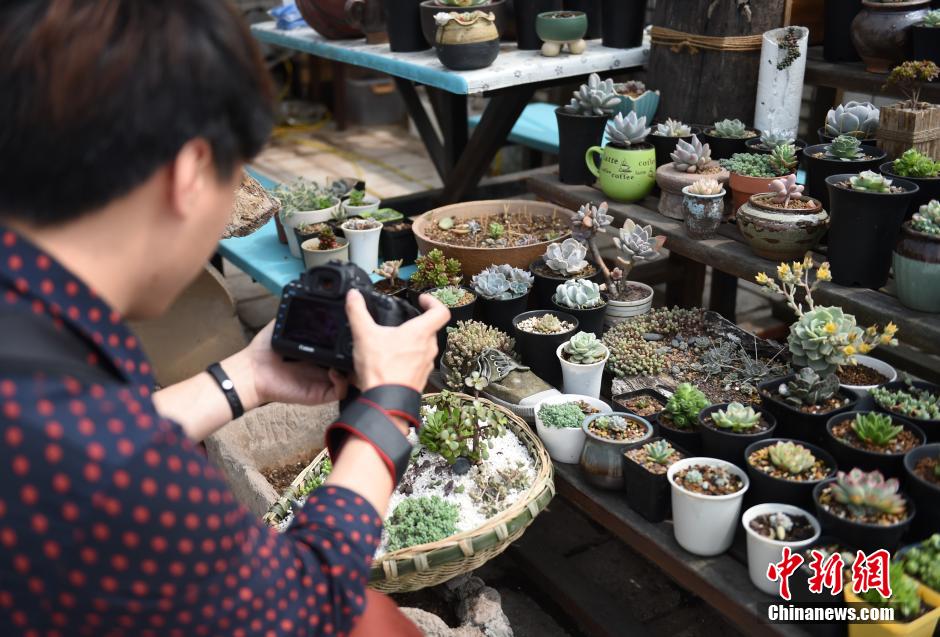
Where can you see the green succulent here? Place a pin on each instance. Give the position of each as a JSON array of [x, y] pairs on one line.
[[420, 521], [496, 230], [932, 19], [584, 348], [434, 270], [905, 596], [548, 324], [691, 156], [561, 415], [465, 343], [877, 429], [736, 417], [595, 98], [912, 402], [449, 296], [579, 294], [870, 181], [777, 137], [659, 451], [864, 493], [915, 164], [809, 388], [923, 561], [502, 282], [730, 129], [458, 428], [845, 148], [791, 457], [751, 165], [927, 219], [303, 195], [823, 339], [685, 404], [783, 159]]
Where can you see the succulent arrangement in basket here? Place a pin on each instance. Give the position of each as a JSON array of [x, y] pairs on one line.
[[858, 119], [545, 324], [672, 128], [736, 418], [913, 163], [708, 480], [584, 348], [731, 129], [456, 429], [693, 157], [876, 433], [858, 496], [682, 408], [596, 97], [421, 521], [616, 427], [434, 270], [656, 457], [502, 282], [789, 460], [911, 402]]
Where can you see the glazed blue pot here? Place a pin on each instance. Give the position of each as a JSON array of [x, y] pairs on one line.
[[645, 105]]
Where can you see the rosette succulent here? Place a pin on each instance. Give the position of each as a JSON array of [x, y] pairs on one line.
[[783, 159], [685, 404], [809, 388], [870, 181], [659, 451], [627, 131], [874, 428], [913, 163], [706, 187], [672, 128], [791, 457], [596, 98], [691, 156], [868, 492], [579, 294], [736, 417], [566, 258], [502, 282], [858, 119], [845, 148], [777, 137], [932, 19], [927, 219], [730, 128], [584, 348], [450, 295]]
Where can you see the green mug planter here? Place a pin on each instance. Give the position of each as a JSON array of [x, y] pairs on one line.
[[628, 164]]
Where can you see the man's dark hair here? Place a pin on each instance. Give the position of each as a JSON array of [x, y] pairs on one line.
[[97, 95]]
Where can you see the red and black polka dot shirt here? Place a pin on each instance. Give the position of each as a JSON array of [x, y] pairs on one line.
[[113, 523]]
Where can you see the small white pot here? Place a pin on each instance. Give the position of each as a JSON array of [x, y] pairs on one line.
[[705, 524], [313, 258], [581, 379], [762, 551], [300, 218], [564, 445], [878, 366], [618, 311], [371, 205], [363, 246]]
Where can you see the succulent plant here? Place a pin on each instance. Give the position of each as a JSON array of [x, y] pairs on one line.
[[584, 348], [876, 429], [561, 415], [845, 148], [389, 269], [302, 195], [777, 136], [611, 424], [706, 187], [691, 156], [456, 427], [590, 220], [685, 404], [672, 128], [905, 596], [597, 97], [631, 87], [909, 77], [927, 218], [783, 159], [865, 493], [421, 520], [502, 282], [579, 294], [858, 119], [450, 295], [791, 457], [785, 188], [659, 451], [627, 131], [465, 343], [637, 242], [913, 163], [870, 181], [548, 324], [435, 271], [809, 388], [910, 402], [932, 19], [736, 417], [566, 258], [461, 3], [730, 129], [693, 476], [750, 165]]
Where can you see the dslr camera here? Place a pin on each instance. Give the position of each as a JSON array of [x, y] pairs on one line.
[[311, 320]]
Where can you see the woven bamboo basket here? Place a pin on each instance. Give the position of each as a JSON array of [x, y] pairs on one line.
[[417, 567]]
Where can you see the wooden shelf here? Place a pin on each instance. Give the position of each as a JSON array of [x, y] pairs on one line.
[[852, 76]]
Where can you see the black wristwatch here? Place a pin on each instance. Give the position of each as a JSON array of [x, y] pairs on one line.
[[228, 388]]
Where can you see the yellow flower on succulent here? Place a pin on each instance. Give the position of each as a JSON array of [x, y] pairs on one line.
[[871, 330], [762, 278], [853, 336], [864, 348], [831, 327], [887, 339], [807, 261], [823, 274], [849, 350], [797, 269], [891, 329]]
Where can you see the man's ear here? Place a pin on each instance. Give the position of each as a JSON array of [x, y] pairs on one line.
[[191, 173]]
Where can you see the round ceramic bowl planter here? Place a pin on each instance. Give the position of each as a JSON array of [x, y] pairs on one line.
[[672, 183], [916, 260], [930, 427], [370, 205], [314, 257], [819, 168], [618, 311], [705, 524], [565, 444], [849, 456], [466, 41], [602, 458], [430, 8], [590, 319], [363, 244], [781, 234], [538, 350], [928, 187], [881, 32], [625, 174], [644, 105], [664, 146], [728, 445], [545, 285], [702, 213], [763, 551], [291, 220], [863, 229], [499, 313], [926, 494], [526, 14], [768, 488], [725, 147], [562, 29], [798, 424], [744, 187], [879, 366], [581, 379], [863, 536], [576, 134]]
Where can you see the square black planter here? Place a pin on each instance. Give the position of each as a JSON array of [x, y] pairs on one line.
[[648, 493]]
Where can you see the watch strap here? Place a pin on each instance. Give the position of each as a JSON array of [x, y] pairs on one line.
[[228, 389]]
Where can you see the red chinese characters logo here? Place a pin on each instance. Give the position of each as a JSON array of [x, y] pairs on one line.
[[783, 569], [827, 573], [872, 572]]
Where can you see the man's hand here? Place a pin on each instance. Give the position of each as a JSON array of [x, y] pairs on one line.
[[402, 355]]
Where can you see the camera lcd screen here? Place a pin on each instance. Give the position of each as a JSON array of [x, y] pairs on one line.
[[313, 322]]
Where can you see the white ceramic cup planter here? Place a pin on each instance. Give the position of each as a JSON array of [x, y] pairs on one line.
[[618, 311], [705, 524], [762, 551], [371, 205], [292, 220], [363, 246], [581, 379], [565, 444], [313, 258], [878, 366]]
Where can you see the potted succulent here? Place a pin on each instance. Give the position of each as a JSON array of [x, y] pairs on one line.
[[562, 262], [872, 440], [916, 401], [627, 170], [561, 29], [466, 41], [786, 471], [397, 241], [867, 373], [919, 168], [863, 509], [770, 139], [460, 301], [770, 528], [525, 14], [856, 119], [910, 122], [558, 422], [844, 153], [678, 421], [728, 429], [582, 298], [922, 478], [644, 477], [363, 237], [866, 212], [538, 334], [921, 562], [390, 282], [607, 437], [728, 137], [359, 204], [691, 162], [645, 403], [752, 173], [706, 503], [430, 8], [925, 38], [627, 298], [804, 402], [581, 125], [703, 208], [303, 203], [582, 364], [503, 293], [636, 98], [323, 248], [383, 215], [665, 135], [782, 224], [433, 270], [908, 600]]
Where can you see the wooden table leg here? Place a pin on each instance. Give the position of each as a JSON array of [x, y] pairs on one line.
[[450, 110], [686, 291], [339, 95], [419, 115], [724, 294]]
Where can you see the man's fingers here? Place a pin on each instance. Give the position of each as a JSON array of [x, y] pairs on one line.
[[360, 321], [435, 316]]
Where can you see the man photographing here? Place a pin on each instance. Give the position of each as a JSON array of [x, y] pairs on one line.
[[124, 128]]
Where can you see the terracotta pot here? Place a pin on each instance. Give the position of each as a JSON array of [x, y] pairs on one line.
[[467, 41], [881, 32], [781, 235], [369, 16], [328, 18], [672, 181], [475, 260], [742, 187], [429, 8], [917, 269]]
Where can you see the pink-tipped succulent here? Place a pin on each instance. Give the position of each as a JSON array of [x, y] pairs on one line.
[[785, 188], [865, 492]]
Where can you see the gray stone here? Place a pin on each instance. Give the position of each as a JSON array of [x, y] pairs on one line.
[[652, 337], [484, 610], [431, 625]]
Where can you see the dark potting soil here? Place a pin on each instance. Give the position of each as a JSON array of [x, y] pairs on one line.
[[633, 293], [867, 516], [760, 460], [902, 443], [822, 155], [543, 270], [642, 406], [281, 477], [519, 229], [793, 204], [926, 468], [640, 457], [801, 529], [387, 286], [861, 375], [634, 431], [727, 482], [829, 405]]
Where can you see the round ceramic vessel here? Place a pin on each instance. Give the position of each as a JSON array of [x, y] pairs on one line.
[[916, 262], [878, 366], [313, 258], [301, 218], [602, 459], [561, 26], [564, 445], [702, 213], [672, 181], [581, 379], [625, 174], [781, 235], [467, 41], [763, 551], [430, 8], [881, 32], [618, 311], [363, 246]]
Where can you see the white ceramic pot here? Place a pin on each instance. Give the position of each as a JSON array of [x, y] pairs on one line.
[[292, 220], [371, 205], [314, 258], [564, 445], [762, 551], [705, 524], [878, 366], [363, 246], [618, 311], [581, 379]]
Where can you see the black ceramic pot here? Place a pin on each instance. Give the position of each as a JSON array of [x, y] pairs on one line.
[[825, 138], [849, 457], [864, 537], [931, 428], [863, 228], [651, 394], [397, 242], [591, 8], [818, 168], [793, 423], [403, 19], [926, 495], [430, 8], [665, 146], [468, 57], [727, 445], [526, 11], [538, 350], [929, 187], [589, 319], [725, 147], [462, 313], [837, 43], [754, 146], [926, 43], [648, 493], [500, 314], [577, 133], [688, 439], [545, 286], [623, 22], [767, 488]]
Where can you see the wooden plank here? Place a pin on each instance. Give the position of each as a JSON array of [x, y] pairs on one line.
[[729, 254], [432, 142], [852, 76], [724, 294]]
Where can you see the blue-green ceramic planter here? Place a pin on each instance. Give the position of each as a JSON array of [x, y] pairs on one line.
[[644, 105], [917, 270]]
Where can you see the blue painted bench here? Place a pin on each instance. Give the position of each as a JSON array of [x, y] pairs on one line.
[[536, 128]]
